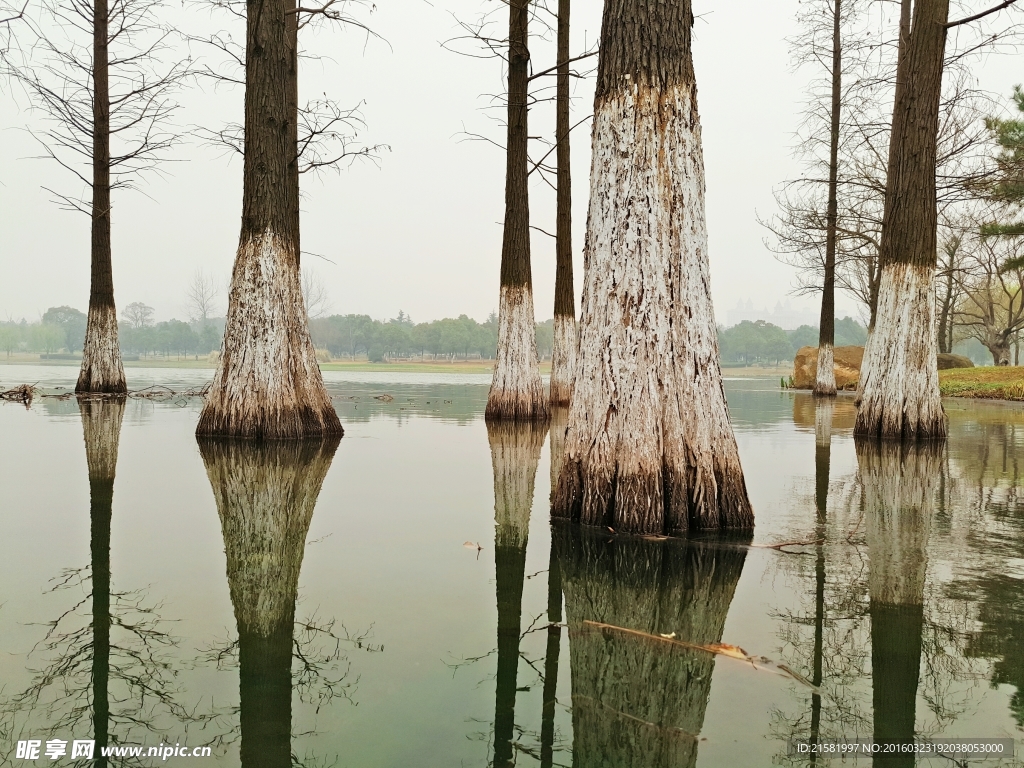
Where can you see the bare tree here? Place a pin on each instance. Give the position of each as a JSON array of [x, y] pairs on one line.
[[268, 383], [314, 294], [991, 301], [138, 315], [201, 296], [649, 447], [96, 71]]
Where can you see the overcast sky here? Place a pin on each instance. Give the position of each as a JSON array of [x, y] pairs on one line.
[[420, 230]]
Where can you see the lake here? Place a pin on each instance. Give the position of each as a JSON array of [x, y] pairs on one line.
[[399, 598]]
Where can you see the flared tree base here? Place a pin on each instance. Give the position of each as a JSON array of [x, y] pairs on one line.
[[517, 390], [825, 377], [899, 390], [268, 383], [102, 371]]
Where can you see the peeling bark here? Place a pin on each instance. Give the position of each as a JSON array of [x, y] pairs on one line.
[[268, 383], [899, 393], [636, 702], [517, 390], [825, 377], [563, 350], [649, 447], [899, 385], [515, 454]]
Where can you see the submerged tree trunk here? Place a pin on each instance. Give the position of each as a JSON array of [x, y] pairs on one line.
[[268, 382], [649, 447], [563, 350], [517, 390], [899, 387], [101, 425], [825, 379], [265, 496], [102, 370], [515, 454], [900, 484], [823, 412], [636, 701], [551, 654]]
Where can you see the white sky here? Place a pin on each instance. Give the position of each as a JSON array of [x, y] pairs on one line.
[[421, 232]]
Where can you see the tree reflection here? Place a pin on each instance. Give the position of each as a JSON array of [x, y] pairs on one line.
[[108, 658], [515, 454], [900, 483], [265, 494], [636, 700]]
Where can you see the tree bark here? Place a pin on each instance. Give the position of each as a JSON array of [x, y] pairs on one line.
[[268, 382], [649, 447], [101, 426], [517, 390], [899, 389], [638, 702], [102, 370], [825, 380], [563, 351], [515, 454], [265, 496], [899, 494]]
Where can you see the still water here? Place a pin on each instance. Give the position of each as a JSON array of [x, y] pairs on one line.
[[399, 598]]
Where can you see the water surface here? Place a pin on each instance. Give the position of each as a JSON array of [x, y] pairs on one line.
[[317, 604]]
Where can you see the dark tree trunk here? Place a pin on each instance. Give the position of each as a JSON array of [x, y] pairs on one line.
[[825, 381], [101, 426], [899, 389], [268, 382], [265, 697], [563, 355], [649, 447], [636, 701], [517, 390], [895, 671], [101, 369]]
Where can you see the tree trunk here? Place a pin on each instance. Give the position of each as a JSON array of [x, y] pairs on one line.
[[101, 369], [517, 390], [999, 345], [639, 702], [899, 391], [823, 412], [268, 382], [265, 494], [515, 454], [649, 447], [825, 380], [563, 350], [101, 426], [899, 495]]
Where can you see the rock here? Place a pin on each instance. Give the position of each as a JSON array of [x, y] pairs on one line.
[[848, 360], [947, 361], [847, 367]]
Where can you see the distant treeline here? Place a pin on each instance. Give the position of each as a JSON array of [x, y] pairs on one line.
[[62, 329], [761, 342], [452, 338]]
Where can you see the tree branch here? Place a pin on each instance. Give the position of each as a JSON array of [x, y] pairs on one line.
[[983, 14]]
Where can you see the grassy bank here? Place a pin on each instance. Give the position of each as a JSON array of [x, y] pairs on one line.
[[989, 383]]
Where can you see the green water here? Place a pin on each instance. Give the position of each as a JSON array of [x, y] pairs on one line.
[[319, 605]]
